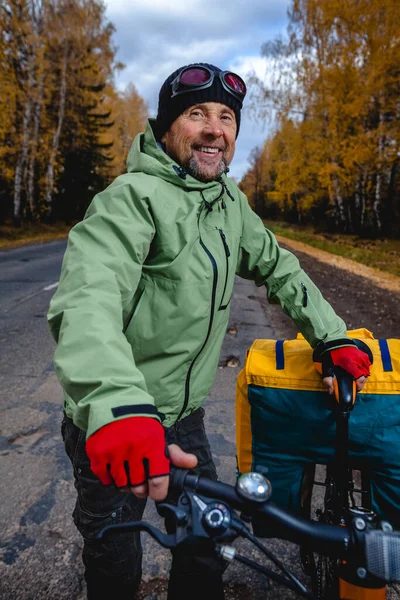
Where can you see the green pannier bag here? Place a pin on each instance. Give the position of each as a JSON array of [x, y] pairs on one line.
[[285, 422]]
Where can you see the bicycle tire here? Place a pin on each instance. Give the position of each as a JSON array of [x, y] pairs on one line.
[[320, 568]]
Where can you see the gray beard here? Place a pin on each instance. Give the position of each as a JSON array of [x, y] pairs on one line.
[[195, 171]]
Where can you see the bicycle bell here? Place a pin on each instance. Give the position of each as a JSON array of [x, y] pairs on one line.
[[254, 486]]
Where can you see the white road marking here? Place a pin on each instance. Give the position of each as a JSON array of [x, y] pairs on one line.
[[50, 287]]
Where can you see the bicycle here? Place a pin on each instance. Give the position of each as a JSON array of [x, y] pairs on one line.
[[337, 578], [206, 521]]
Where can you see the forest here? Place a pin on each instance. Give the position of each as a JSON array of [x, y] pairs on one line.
[[65, 129], [332, 87]]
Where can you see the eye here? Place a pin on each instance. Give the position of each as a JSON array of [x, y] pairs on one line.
[[196, 113], [227, 117]]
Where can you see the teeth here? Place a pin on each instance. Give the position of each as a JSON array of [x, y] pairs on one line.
[[209, 150]]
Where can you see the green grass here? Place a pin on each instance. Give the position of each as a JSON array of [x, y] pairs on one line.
[[383, 254], [29, 233]]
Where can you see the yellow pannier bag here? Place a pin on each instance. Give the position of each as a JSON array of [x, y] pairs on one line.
[[285, 422]]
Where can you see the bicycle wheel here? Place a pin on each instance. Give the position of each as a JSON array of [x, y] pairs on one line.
[[327, 584], [320, 568]]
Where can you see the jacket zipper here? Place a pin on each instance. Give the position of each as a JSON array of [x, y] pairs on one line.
[[305, 295], [227, 255], [307, 300], [214, 290]]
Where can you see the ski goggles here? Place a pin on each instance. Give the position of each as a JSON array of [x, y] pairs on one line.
[[199, 78]]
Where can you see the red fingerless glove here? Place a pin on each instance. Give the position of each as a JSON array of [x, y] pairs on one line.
[[128, 452], [352, 360], [344, 353]]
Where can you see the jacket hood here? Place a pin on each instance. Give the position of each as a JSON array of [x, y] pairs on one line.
[[146, 156]]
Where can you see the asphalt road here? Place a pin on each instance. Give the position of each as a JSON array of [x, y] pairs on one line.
[[26, 349], [39, 547]]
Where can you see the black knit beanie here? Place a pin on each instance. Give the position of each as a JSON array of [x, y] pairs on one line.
[[169, 108]]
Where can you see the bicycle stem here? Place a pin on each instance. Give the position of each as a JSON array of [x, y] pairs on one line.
[[345, 397]]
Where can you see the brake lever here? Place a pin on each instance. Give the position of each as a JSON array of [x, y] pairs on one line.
[[167, 540], [180, 515], [194, 518]]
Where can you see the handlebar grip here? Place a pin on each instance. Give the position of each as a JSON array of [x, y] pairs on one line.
[[344, 388], [177, 478], [382, 551]]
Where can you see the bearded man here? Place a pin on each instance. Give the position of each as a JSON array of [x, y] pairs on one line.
[[140, 314]]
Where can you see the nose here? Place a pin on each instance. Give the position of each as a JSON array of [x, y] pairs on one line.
[[212, 127]]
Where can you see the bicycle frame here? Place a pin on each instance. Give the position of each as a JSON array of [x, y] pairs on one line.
[[353, 583]]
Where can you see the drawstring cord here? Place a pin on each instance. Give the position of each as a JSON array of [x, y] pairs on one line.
[[227, 190], [224, 189], [208, 205], [180, 171]]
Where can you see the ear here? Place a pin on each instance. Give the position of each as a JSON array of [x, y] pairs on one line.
[[164, 137]]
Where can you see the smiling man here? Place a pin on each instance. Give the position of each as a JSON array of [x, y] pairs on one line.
[[140, 315], [202, 140]]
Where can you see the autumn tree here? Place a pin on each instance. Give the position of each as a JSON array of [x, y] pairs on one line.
[[83, 68], [337, 83], [129, 112], [64, 128], [8, 108]]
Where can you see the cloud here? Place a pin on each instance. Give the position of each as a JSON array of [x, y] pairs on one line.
[[178, 7], [252, 133], [155, 37], [245, 65]]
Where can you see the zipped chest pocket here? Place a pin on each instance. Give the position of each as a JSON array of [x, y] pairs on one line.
[[225, 301]]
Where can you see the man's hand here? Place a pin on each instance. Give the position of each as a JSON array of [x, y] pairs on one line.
[[157, 488], [128, 452], [345, 354], [328, 381], [132, 454]]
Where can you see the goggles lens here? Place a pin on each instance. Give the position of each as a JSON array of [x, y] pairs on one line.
[[196, 76], [235, 82]]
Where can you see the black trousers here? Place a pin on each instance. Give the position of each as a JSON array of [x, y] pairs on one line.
[[113, 565]]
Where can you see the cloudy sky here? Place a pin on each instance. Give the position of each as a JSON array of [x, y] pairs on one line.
[[155, 37]]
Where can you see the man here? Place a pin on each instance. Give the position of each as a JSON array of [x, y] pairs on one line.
[[140, 314]]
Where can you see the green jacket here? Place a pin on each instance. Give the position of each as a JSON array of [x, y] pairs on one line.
[[143, 301]]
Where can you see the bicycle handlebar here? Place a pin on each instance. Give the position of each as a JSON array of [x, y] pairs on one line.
[[326, 539], [381, 549], [204, 518]]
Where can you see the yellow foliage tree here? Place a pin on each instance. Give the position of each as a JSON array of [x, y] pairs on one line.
[[338, 84], [129, 114], [64, 129]]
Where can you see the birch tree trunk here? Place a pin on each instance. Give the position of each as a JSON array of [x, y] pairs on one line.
[[338, 198], [380, 176], [376, 206], [336, 195], [56, 136], [35, 138], [38, 21], [360, 200], [22, 158]]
